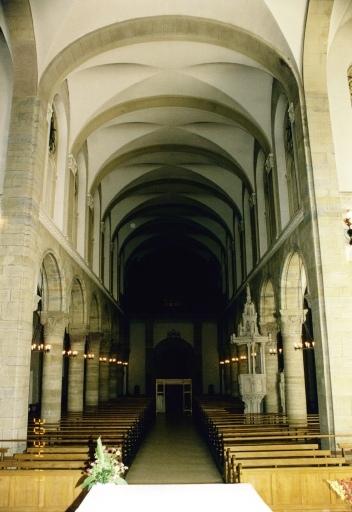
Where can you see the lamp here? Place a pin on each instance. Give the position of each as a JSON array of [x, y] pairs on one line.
[[41, 347], [103, 359], [308, 343], [87, 353], [348, 221], [70, 353]]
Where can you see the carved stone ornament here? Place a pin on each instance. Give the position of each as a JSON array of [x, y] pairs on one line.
[[54, 322], [72, 164], [269, 163], [291, 113], [90, 201], [291, 321]]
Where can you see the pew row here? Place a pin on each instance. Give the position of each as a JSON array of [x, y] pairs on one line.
[[238, 465], [296, 489], [266, 450], [46, 490]]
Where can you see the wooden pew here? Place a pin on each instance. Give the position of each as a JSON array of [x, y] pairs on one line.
[[42, 464], [3, 451], [275, 450], [345, 447], [288, 458], [293, 489], [240, 465]]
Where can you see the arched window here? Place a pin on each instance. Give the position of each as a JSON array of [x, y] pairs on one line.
[[72, 201], [270, 198], [349, 78], [51, 169], [291, 173]]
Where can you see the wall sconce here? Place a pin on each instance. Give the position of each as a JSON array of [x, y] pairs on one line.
[[112, 360], [243, 358], [235, 359], [308, 343], [348, 221], [275, 351], [70, 353], [227, 361], [41, 347], [103, 359], [89, 356], [221, 362]]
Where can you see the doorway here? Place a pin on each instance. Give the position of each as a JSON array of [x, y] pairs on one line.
[[174, 396]]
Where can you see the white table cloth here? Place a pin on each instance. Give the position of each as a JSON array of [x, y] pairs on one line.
[[173, 498]]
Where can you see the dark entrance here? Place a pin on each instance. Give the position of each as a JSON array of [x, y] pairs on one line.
[[174, 359], [173, 400]]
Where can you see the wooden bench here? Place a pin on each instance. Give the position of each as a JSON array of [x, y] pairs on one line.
[[293, 489], [42, 464], [268, 458], [345, 447], [3, 452], [273, 449], [271, 462]]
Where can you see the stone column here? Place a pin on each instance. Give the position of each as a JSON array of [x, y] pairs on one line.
[[78, 337], [103, 391], [120, 378], [92, 369], [271, 400], [227, 376], [113, 373], [295, 391], [54, 323], [234, 372]]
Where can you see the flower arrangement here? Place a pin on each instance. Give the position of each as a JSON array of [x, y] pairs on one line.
[[343, 489], [106, 468]]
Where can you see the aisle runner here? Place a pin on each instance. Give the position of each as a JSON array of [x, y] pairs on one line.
[[173, 453]]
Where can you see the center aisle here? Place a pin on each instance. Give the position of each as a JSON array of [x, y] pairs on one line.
[[173, 453]]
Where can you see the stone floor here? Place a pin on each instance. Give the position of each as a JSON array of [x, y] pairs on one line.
[[173, 453]]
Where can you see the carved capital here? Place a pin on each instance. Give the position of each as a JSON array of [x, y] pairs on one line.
[[54, 322], [291, 321], [269, 163]]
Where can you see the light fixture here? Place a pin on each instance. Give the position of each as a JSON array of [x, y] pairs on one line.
[[112, 360], [87, 353], [234, 359], [41, 347], [70, 353], [275, 351], [103, 359], [348, 221], [308, 343]]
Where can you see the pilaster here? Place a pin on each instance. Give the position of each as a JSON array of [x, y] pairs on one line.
[[54, 323], [295, 391]]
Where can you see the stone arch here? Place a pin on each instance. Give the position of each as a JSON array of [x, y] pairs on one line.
[[267, 304], [53, 298], [77, 303], [94, 316], [59, 195], [6, 85], [293, 282], [279, 120], [106, 319]]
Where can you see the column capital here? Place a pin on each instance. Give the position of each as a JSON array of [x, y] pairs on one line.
[[54, 322], [291, 320]]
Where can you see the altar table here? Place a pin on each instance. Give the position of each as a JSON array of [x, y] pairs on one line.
[[173, 498]]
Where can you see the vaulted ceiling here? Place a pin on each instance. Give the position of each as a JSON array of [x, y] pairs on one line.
[[172, 119]]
